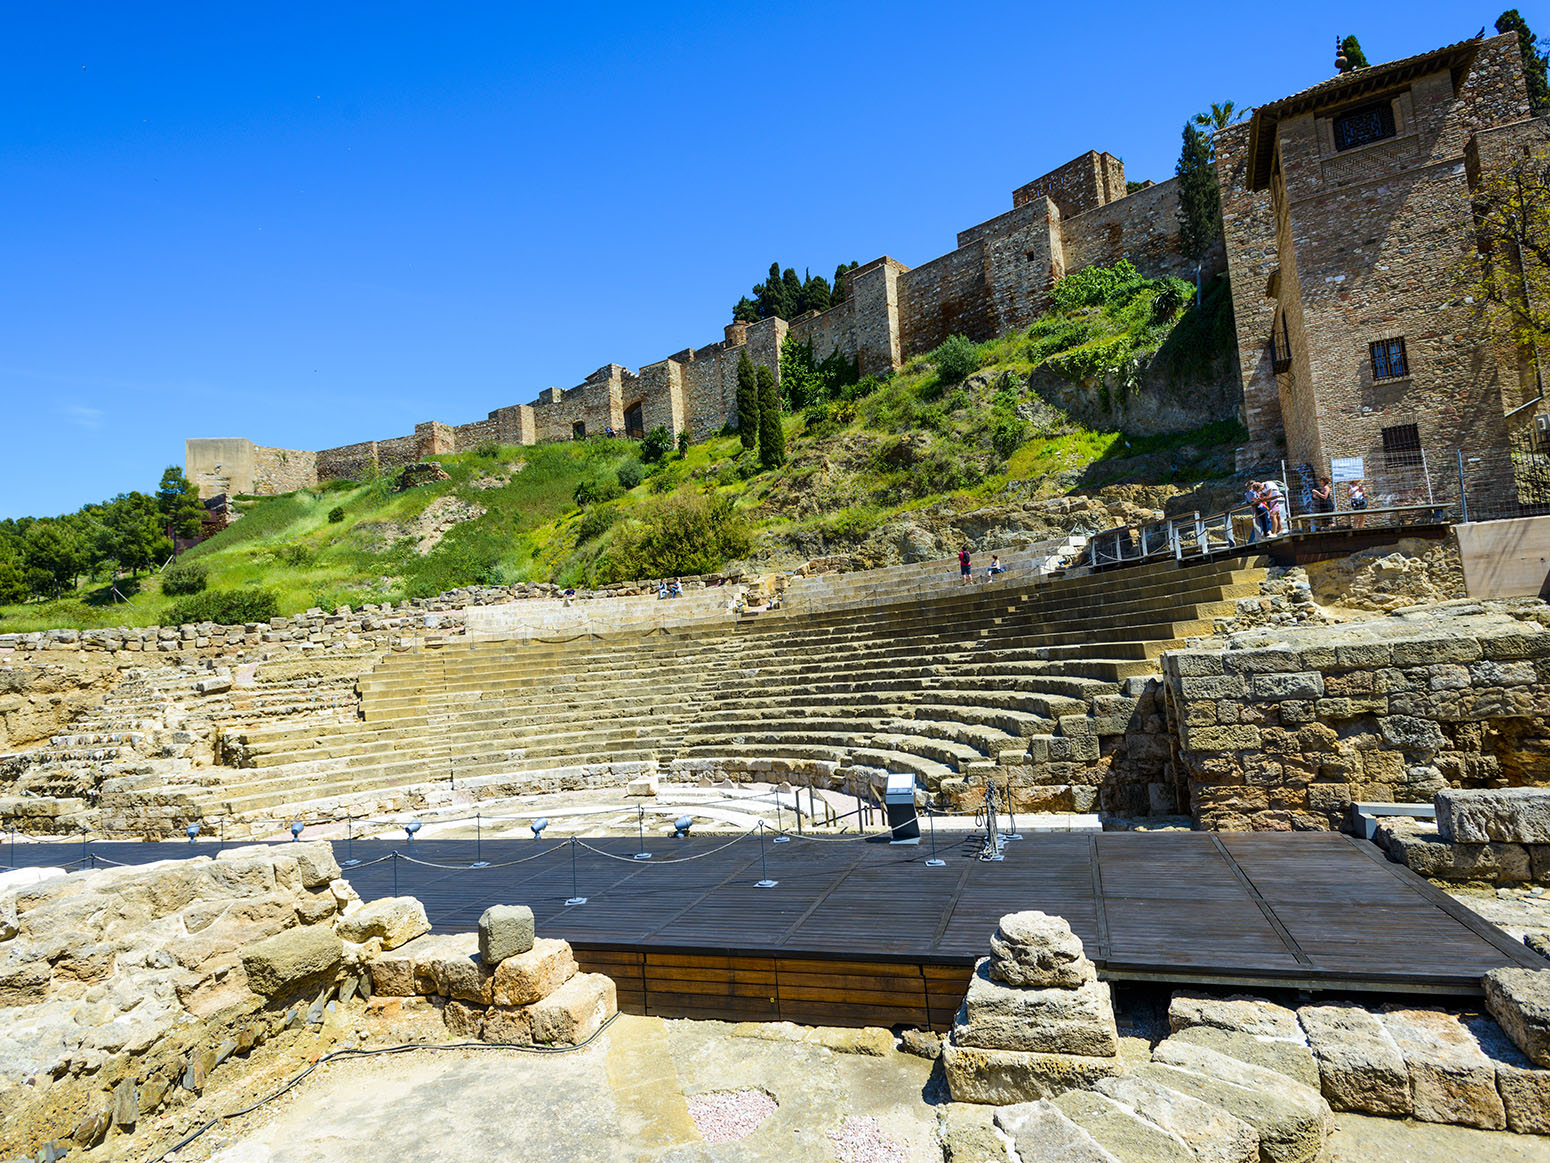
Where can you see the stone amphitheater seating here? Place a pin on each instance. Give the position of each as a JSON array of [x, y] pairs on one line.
[[950, 685]]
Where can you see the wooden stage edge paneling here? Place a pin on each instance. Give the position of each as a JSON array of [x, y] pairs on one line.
[[859, 932]]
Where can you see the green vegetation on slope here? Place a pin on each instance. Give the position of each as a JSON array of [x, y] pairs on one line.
[[957, 427]]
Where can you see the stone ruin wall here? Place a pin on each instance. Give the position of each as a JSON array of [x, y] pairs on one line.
[[997, 279], [1286, 729]]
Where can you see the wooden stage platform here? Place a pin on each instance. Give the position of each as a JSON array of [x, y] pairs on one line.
[[858, 932]]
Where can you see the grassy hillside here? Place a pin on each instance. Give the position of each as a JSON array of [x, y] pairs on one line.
[[916, 448]]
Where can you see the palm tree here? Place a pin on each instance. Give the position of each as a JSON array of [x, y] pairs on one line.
[[1220, 116]]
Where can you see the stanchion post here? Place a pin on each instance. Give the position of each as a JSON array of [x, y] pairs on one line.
[[780, 822], [479, 860], [640, 832], [764, 871], [575, 893], [349, 840], [934, 862], [395, 872]]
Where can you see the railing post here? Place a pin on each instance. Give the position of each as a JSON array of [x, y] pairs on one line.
[[1463, 494]]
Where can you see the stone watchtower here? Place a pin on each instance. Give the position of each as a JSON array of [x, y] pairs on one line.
[[1347, 215]]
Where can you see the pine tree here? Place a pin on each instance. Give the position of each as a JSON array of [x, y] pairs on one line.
[[747, 401], [1533, 61], [772, 437], [178, 502], [1355, 58], [1200, 200]]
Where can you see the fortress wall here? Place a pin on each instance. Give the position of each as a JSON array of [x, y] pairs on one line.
[[874, 291], [1083, 183], [946, 296], [348, 461], [469, 436], [660, 389], [283, 470], [829, 331], [1143, 227], [702, 390], [1025, 260], [557, 411]]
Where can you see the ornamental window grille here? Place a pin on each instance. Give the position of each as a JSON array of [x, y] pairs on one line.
[[1365, 125], [1388, 359], [1280, 344], [1402, 446]]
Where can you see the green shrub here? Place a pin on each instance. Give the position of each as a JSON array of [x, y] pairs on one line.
[[956, 358], [488, 449], [656, 445], [595, 491], [631, 474], [336, 515], [596, 521], [184, 578], [683, 443], [229, 607], [296, 556], [1008, 432], [683, 535]]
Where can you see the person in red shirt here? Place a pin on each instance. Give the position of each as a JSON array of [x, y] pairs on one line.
[[964, 576]]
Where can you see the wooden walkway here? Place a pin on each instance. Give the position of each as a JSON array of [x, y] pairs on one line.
[[859, 933]]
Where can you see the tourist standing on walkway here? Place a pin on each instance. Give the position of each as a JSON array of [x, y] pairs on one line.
[[1323, 500], [964, 577], [1357, 495], [1275, 503]]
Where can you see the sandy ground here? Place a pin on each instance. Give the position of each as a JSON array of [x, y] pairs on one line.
[[627, 1097]]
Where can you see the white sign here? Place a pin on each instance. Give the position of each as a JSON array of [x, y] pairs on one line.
[[1346, 468]]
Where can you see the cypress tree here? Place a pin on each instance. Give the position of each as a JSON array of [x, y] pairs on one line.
[[1200, 200], [841, 289], [1533, 62], [747, 401], [746, 311], [815, 294], [792, 294], [1355, 58], [772, 438], [771, 294]]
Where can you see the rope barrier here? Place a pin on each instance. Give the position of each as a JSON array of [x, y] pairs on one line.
[[480, 867], [674, 860], [404, 1048]]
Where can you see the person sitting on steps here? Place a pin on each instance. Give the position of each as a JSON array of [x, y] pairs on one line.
[[995, 566]]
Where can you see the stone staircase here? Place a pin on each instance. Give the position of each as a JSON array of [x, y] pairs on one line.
[[1033, 684]]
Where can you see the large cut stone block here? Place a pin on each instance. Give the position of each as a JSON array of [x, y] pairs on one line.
[[1213, 1135], [1360, 1066], [1524, 1087], [1042, 1133], [534, 975], [315, 861], [1000, 1077], [1519, 1000], [1513, 815], [406, 970], [1120, 1131], [396, 919], [1241, 1013], [293, 961], [1451, 1079], [574, 1012], [1292, 1059], [1049, 1021], [505, 931], [1291, 1129], [1039, 951]]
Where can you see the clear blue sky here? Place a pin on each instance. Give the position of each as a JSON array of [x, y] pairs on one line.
[[315, 224]]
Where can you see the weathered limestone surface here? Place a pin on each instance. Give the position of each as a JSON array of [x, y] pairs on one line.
[[1524, 1088], [505, 931], [1042, 1133], [1360, 1065], [1038, 951], [526, 977], [1290, 1120], [1519, 1000], [1121, 1131], [1512, 815], [1211, 1133], [396, 920], [292, 961], [1451, 1079], [1240, 1013], [1062, 1021], [1292, 1059], [1003, 1077]]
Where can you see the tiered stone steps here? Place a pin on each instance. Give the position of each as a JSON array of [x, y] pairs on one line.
[[945, 687]]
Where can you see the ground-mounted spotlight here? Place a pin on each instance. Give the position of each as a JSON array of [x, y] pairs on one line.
[[296, 828], [193, 831], [681, 827], [411, 828], [538, 827]]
